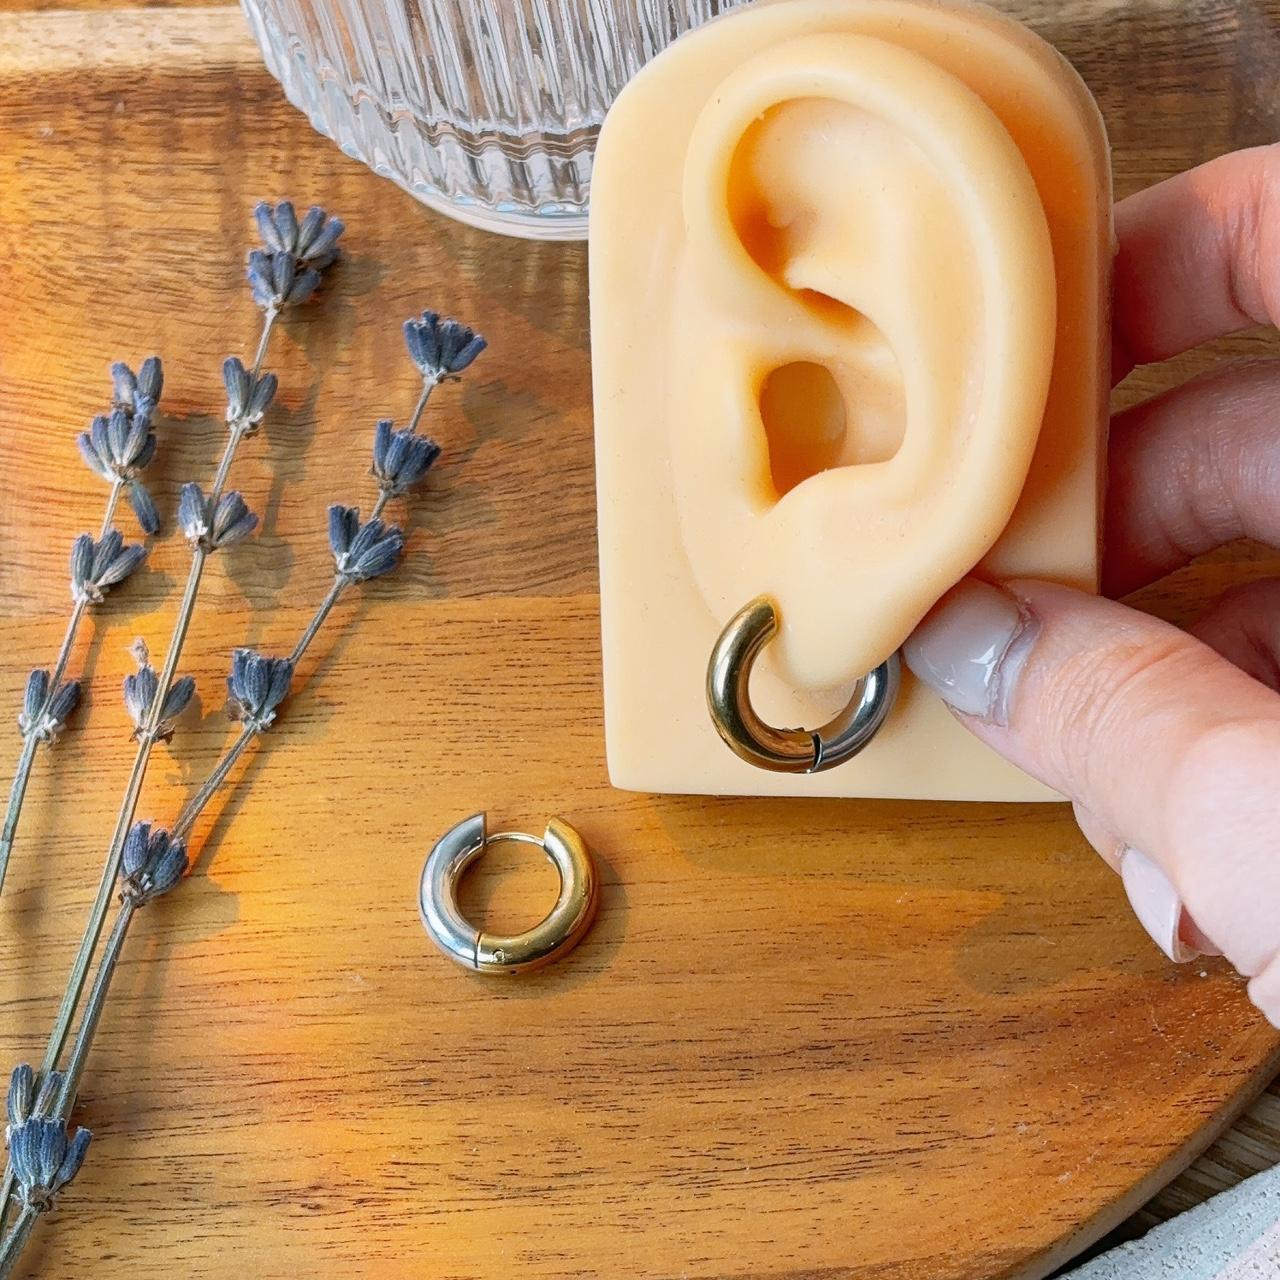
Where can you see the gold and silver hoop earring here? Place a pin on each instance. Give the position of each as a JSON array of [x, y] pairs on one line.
[[788, 750], [560, 930]]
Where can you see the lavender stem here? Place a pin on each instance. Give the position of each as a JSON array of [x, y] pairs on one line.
[[113, 499], [64, 653], [194, 807], [268, 323], [124, 819], [17, 793], [16, 1240], [93, 1009], [340, 584], [217, 776], [428, 386]]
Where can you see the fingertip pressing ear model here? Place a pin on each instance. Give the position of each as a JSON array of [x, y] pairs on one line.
[[849, 263]]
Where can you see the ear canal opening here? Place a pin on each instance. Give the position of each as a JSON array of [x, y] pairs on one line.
[[817, 417], [805, 422]]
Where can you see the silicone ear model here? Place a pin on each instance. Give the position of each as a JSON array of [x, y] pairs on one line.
[[849, 264]]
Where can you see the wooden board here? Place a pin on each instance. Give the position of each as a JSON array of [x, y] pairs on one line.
[[992, 1068]]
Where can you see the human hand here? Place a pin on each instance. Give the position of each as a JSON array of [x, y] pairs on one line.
[[1167, 743]]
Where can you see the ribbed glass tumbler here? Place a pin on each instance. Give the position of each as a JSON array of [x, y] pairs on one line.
[[485, 109]]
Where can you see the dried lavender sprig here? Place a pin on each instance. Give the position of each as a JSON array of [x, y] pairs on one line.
[[239, 427], [117, 447], [147, 734], [257, 686], [199, 555]]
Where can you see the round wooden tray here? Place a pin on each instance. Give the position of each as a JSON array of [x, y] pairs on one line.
[[993, 1066]]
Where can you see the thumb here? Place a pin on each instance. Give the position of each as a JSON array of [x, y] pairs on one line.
[[1162, 741]]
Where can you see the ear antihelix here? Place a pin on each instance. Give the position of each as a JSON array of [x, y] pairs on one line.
[[911, 218]]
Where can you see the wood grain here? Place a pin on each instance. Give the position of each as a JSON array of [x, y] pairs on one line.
[[994, 1068]]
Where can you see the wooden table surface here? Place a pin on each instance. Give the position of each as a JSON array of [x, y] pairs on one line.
[[289, 1081]]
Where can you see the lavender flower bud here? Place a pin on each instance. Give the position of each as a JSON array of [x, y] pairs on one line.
[[313, 242], [25, 1102], [441, 348], [247, 399], [96, 567], [318, 239], [44, 717], [261, 282], [287, 270], [276, 281], [362, 551], [140, 692], [43, 1156], [22, 1086], [277, 237], [151, 863], [401, 458], [137, 393], [231, 522], [143, 506], [256, 687], [119, 445], [33, 700], [193, 516]]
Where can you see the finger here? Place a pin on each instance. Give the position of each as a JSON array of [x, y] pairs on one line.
[[1243, 625], [1105, 842], [1151, 893], [1198, 257], [1191, 470], [1171, 746]]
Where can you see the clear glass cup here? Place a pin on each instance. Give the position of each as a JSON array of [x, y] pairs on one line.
[[485, 109]]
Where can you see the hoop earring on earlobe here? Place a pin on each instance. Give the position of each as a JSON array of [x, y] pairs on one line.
[[788, 750]]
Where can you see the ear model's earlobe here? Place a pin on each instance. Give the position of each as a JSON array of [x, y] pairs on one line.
[[863, 375]]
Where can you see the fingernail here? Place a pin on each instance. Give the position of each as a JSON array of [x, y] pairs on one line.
[[971, 649], [1160, 911]]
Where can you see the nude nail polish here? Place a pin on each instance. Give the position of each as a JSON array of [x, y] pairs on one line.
[[972, 648]]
